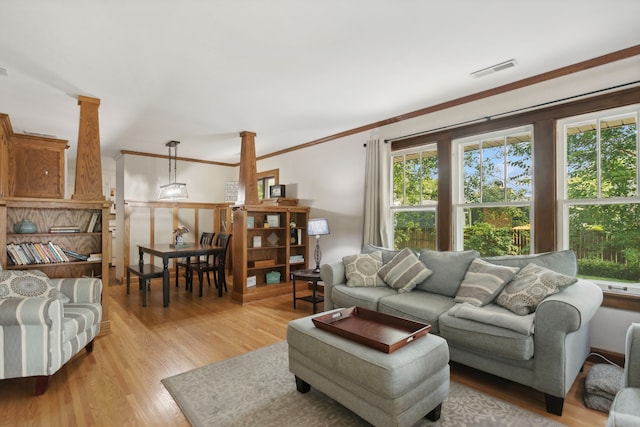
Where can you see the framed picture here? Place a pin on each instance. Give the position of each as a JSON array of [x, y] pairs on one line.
[[273, 220], [277, 191]]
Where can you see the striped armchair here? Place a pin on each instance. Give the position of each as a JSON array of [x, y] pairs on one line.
[[39, 335]]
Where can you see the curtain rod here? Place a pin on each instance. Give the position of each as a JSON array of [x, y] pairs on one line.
[[487, 118]]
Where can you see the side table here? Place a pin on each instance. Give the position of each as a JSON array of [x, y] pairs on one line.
[[307, 276]]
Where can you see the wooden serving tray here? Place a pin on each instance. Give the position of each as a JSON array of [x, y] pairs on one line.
[[377, 330]]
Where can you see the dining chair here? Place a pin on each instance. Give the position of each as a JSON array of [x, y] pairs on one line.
[[205, 239], [214, 264]]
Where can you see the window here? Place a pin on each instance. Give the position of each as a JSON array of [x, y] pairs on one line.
[[266, 179], [598, 194], [415, 198], [493, 192]]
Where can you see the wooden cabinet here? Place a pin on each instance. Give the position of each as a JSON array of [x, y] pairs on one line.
[[47, 213], [263, 257], [36, 167]]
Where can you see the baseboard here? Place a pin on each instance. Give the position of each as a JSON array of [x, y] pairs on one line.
[[614, 357]]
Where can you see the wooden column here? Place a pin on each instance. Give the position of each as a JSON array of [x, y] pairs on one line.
[[248, 182], [5, 132], [88, 185]]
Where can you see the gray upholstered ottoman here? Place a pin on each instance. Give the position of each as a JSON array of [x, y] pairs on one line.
[[395, 389]]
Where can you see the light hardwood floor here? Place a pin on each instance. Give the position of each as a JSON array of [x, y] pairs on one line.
[[119, 383]]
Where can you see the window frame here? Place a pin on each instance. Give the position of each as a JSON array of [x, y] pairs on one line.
[[424, 205], [459, 203], [564, 203]]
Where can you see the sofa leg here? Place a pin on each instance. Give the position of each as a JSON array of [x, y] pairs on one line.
[[434, 415], [42, 382], [302, 386], [89, 346], [554, 404]]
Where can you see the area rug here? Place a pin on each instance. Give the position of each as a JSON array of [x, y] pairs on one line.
[[257, 389]]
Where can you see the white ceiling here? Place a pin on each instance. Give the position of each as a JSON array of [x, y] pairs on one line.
[[293, 71]]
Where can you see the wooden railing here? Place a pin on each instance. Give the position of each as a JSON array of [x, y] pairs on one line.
[[154, 222]]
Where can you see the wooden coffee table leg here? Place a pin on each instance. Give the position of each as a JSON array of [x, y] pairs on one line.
[[434, 415], [302, 386]]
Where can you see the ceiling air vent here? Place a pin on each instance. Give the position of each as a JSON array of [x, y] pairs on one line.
[[495, 68]]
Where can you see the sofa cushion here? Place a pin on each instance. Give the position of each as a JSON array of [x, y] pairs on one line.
[[483, 282], [561, 261], [387, 254], [493, 314], [448, 270], [488, 339], [346, 296], [404, 271], [27, 284], [362, 269], [417, 305], [530, 286]]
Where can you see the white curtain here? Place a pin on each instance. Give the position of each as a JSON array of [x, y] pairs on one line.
[[377, 227]]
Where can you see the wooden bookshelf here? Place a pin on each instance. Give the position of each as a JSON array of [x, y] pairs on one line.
[[47, 213], [250, 260]]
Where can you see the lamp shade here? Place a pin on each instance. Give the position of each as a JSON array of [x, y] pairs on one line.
[[318, 227], [173, 191]]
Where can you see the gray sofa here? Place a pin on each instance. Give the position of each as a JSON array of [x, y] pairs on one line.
[[625, 409], [46, 326], [546, 355]]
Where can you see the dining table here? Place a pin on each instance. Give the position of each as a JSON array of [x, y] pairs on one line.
[[167, 251]]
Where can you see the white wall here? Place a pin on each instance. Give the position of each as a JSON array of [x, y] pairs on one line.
[[329, 177]]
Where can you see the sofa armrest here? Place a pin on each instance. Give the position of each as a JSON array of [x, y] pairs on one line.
[[632, 353], [562, 335], [80, 290], [568, 309], [331, 275], [34, 325], [29, 311]]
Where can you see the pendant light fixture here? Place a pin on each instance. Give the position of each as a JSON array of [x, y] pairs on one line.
[[174, 190]]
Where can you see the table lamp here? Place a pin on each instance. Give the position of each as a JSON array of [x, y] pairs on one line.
[[317, 227]]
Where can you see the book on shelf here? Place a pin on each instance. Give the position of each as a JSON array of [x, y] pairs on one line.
[[64, 256], [92, 222], [43, 255], [50, 256], [35, 255], [251, 281], [55, 256], [64, 229], [295, 259], [13, 254], [95, 257], [76, 255], [26, 256]]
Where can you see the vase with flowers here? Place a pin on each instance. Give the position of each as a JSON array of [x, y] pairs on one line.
[[179, 232]]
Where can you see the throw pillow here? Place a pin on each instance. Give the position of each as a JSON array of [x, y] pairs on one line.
[[448, 270], [27, 283], [362, 269], [483, 282], [530, 286], [404, 271]]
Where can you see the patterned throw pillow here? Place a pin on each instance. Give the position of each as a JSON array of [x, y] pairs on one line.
[[483, 281], [404, 271], [529, 287], [362, 269], [27, 283]]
